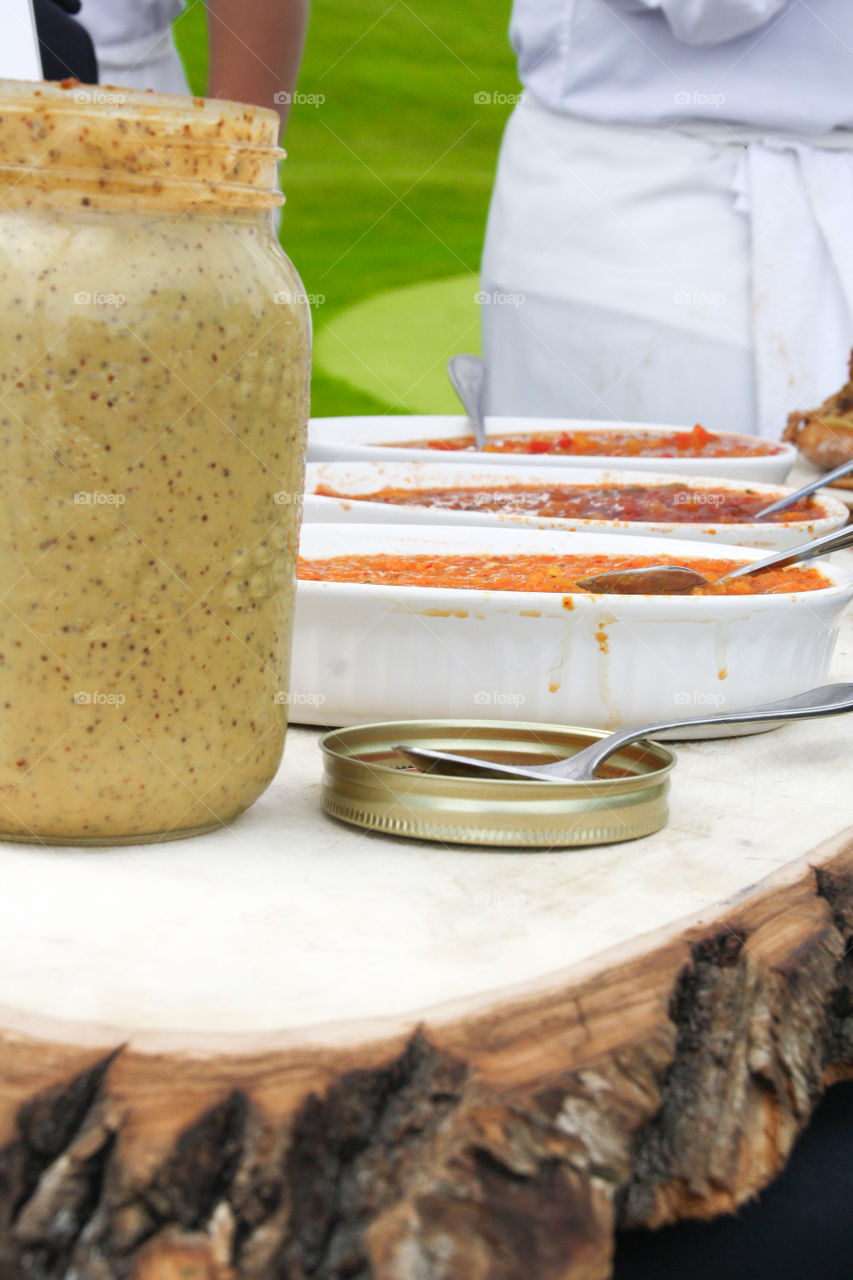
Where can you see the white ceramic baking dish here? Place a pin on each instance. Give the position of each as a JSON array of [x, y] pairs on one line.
[[368, 477], [375, 439], [366, 653]]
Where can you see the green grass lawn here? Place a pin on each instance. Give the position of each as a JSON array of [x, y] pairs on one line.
[[388, 180]]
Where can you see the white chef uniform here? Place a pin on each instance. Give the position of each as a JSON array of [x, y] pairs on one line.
[[671, 232], [134, 45]]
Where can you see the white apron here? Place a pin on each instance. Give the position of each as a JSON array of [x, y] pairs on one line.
[[682, 274]]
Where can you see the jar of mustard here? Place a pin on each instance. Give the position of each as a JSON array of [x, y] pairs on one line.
[[154, 369]]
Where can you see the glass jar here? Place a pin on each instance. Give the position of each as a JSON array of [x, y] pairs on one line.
[[153, 403]]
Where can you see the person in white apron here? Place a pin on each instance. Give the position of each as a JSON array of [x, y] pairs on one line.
[[255, 47], [669, 238]]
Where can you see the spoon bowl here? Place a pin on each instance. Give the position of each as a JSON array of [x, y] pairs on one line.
[[657, 580], [663, 579]]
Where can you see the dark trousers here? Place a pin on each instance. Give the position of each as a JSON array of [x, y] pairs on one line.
[[66, 50], [800, 1228]]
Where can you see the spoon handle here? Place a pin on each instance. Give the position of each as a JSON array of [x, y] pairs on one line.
[[811, 487], [468, 375], [827, 700], [835, 541]]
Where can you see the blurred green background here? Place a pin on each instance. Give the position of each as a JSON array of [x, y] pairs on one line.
[[387, 183]]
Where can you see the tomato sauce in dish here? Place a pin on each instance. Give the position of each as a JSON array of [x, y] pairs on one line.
[[697, 443], [541, 572], [673, 503]]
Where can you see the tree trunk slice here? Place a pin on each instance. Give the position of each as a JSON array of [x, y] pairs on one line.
[[294, 1051]]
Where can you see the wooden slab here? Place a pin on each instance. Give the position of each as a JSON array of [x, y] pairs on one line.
[[295, 1050]]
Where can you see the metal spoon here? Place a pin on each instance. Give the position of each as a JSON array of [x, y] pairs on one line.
[[828, 700], [468, 375], [811, 487], [672, 579]]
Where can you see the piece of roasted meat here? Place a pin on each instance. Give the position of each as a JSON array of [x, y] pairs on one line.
[[825, 435]]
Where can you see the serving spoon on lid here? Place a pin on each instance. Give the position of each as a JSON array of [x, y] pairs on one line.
[[829, 478], [827, 700], [468, 375], [673, 579]]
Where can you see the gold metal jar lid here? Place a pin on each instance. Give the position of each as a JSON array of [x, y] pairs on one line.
[[369, 784]]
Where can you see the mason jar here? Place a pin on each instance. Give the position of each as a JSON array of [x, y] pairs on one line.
[[153, 404]]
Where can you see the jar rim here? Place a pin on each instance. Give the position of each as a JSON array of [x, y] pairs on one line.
[[250, 123], [62, 134]]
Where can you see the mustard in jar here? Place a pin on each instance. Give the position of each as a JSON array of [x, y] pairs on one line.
[[154, 368]]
